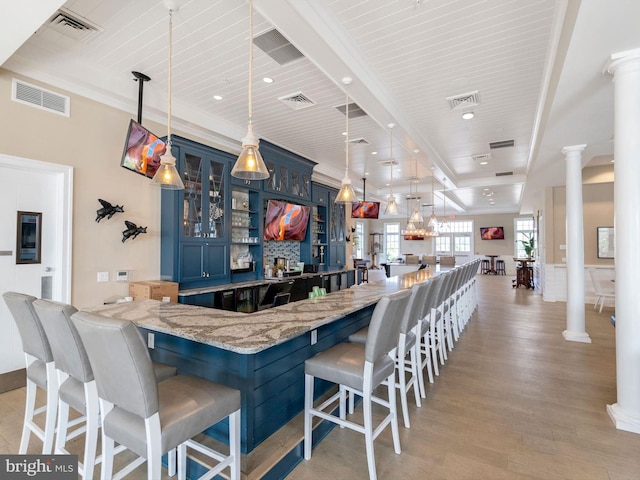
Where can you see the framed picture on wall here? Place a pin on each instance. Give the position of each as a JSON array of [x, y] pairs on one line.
[[606, 242]]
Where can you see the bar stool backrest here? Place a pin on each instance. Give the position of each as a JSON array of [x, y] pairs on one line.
[[433, 292], [120, 361], [66, 345], [414, 307], [384, 328], [34, 338]]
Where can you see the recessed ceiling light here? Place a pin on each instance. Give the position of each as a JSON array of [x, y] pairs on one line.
[[387, 184], [267, 80], [374, 153], [613, 161], [366, 173], [416, 150], [483, 163], [486, 189], [467, 115], [217, 97], [344, 133]]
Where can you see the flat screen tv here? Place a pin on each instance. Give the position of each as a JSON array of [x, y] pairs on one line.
[[142, 150], [285, 221], [365, 210], [492, 233]]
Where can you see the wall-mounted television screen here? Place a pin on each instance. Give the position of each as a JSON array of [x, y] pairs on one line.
[[142, 150], [492, 233], [285, 221], [365, 210]]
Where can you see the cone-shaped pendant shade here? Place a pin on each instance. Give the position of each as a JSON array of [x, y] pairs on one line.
[[346, 193], [416, 216], [167, 175], [250, 165], [392, 206], [433, 220]]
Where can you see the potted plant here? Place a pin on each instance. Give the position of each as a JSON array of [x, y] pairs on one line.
[[529, 244]]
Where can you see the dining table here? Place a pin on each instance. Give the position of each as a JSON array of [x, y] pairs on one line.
[[492, 268]]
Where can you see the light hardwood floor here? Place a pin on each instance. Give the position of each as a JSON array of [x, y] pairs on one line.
[[514, 401]]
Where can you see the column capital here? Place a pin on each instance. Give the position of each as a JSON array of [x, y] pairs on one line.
[[573, 148], [622, 58]]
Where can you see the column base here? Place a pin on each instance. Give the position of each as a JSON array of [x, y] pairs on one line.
[[582, 337], [623, 420]]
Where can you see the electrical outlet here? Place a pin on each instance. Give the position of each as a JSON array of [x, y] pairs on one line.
[[564, 259], [151, 340], [314, 337], [563, 247], [103, 276]]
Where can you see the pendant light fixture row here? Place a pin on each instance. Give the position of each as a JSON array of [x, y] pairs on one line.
[[392, 207], [346, 193], [250, 165], [167, 176]]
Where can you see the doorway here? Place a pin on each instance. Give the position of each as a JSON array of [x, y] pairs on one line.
[[37, 187]]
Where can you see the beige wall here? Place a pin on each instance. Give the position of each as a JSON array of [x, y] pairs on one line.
[[90, 140], [598, 212]]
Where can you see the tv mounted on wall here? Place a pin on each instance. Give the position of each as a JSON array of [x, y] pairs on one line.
[[492, 233], [142, 150], [285, 221], [365, 210]]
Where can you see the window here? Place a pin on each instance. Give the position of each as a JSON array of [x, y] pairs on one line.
[[524, 228], [392, 240], [358, 239], [456, 240]]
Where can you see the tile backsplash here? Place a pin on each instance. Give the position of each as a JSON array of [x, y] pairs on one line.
[[289, 249]]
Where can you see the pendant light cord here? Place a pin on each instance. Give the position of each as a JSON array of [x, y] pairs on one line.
[[391, 162], [169, 78], [250, 61], [346, 147]]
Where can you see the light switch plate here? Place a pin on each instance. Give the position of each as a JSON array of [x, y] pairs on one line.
[[103, 276]]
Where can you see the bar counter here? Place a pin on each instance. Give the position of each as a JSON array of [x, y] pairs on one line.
[[262, 354]]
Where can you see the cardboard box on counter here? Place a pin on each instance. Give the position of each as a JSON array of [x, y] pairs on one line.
[[154, 289]]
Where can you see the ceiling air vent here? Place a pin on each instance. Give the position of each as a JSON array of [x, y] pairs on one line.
[[465, 100], [359, 141], [483, 157], [502, 144], [354, 110], [73, 25], [28, 94], [388, 162], [277, 47], [503, 174], [297, 101]]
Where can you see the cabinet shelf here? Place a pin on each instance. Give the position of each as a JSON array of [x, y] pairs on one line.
[[244, 228], [246, 243], [319, 244], [241, 210]]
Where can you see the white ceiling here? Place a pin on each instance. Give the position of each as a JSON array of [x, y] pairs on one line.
[[536, 66]]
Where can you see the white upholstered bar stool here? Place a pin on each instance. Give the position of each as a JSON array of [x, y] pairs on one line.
[[153, 418], [77, 387], [360, 369], [41, 371], [407, 345]]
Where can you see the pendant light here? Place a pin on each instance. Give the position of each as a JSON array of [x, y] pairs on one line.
[[346, 193], [432, 225], [249, 165], [167, 176], [392, 207], [416, 216]]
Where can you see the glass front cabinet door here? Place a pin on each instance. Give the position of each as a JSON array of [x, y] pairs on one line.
[[204, 197]]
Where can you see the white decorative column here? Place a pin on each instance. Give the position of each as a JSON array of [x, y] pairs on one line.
[[575, 331], [625, 68]]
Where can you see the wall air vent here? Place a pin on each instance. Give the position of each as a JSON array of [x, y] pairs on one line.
[[502, 144], [464, 100], [297, 101], [44, 99], [503, 174], [73, 25], [274, 44], [354, 110], [359, 141]]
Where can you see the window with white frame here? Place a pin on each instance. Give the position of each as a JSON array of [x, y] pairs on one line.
[[392, 241], [358, 247], [524, 229], [457, 240]]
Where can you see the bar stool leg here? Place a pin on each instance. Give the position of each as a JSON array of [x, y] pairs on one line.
[[308, 405], [52, 409], [234, 444], [93, 426], [368, 426], [393, 409], [28, 416]]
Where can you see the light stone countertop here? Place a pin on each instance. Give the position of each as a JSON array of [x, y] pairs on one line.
[[249, 333]]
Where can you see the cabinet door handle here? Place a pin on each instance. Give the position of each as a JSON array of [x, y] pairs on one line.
[[204, 275], [208, 275]]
